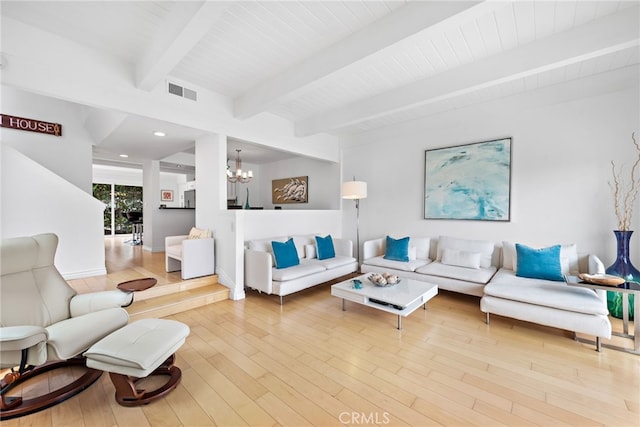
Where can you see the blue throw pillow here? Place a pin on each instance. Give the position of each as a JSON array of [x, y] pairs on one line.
[[397, 249], [324, 246], [285, 254], [539, 263]]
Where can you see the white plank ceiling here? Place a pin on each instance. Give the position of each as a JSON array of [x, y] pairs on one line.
[[344, 67]]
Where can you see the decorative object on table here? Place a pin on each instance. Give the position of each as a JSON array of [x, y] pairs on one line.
[[355, 190], [290, 190], [601, 279], [624, 197], [471, 181], [384, 279], [622, 267], [166, 195], [246, 203], [238, 175]]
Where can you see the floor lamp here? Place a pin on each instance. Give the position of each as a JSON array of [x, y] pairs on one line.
[[355, 190]]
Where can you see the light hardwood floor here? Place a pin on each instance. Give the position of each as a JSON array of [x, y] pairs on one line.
[[254, 362]]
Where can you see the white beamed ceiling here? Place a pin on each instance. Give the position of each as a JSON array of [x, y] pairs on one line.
[[344, 67]]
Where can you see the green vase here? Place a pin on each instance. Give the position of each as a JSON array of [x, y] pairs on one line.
[[246, 203]]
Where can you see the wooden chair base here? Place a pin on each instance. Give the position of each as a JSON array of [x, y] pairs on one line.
[[15, 406], [128, 395]]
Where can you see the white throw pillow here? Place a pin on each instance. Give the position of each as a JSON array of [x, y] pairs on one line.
[[300, 241], [422, 245], [461, 258], [310, 251], [199, 233], [484, 247], [413, 251], [509, 255]]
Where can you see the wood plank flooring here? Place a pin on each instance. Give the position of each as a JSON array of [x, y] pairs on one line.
[[254, 362]]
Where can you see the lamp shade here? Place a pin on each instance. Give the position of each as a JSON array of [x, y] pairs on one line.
[[354, 190]]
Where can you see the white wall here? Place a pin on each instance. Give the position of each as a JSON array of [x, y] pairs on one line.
[[69, 155], [560, 171], [43, 202], [174, 182], [103, 174], [323, 179]]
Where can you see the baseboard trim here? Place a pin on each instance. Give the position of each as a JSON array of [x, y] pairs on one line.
[[83, 274]]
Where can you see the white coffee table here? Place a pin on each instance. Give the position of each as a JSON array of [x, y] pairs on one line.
[[401, 299]]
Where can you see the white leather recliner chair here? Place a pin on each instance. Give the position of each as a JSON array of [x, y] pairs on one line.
[[44, 324]]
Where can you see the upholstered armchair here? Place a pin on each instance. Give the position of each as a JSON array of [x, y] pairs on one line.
[[193, 254], [45, 324]]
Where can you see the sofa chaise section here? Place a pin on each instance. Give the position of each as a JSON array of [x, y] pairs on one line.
[[549, 303]]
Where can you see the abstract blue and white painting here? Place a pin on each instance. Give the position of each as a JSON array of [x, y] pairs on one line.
[[469, 181]]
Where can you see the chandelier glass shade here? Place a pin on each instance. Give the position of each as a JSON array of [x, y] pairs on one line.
[[239, 175]]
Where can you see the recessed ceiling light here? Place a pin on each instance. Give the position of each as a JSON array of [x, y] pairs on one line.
[[124, 155], [158, 133]]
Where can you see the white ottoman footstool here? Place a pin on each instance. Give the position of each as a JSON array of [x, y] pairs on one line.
[[142, 348]]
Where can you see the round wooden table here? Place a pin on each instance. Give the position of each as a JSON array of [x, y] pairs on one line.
[[137, 285]]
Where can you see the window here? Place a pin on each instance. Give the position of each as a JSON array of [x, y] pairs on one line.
[[120, 199]]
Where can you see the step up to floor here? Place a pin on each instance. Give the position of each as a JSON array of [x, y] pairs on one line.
[[172, 288], [182, 298]]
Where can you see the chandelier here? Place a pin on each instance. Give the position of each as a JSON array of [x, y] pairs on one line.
[[239, 175]]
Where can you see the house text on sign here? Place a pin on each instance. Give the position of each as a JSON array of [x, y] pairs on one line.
[[31, 125]]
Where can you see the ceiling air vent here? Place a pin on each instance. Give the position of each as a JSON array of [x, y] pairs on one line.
[[182, 91]]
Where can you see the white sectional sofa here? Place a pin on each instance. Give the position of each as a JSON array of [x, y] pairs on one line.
[[488, 270], [261, 274]]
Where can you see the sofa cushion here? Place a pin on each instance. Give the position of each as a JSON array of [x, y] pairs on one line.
[[543, 263], [264, 245], [461, 258], [422, 245], [324, 247], [397, 249], [380, 261], [568, 258], [334, 262], [301, 240], [285, 254], [505, 284], [297, 271], [174, 251], [310, 251], [473, 275], [484, 247]]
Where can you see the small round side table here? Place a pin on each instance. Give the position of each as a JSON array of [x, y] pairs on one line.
[[137, 285]]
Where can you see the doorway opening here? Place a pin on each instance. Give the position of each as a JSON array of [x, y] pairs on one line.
[[123, 202]]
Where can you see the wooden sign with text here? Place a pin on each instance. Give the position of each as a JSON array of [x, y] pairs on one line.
[[31, 125]]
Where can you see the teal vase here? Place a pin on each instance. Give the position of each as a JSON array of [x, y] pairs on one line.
[[246, 203]]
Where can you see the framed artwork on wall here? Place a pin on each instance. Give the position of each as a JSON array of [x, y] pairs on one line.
[[166, 195], [471, 181], [290, 190]]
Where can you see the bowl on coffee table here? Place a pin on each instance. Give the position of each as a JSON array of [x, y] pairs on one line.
[[383, 279]]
